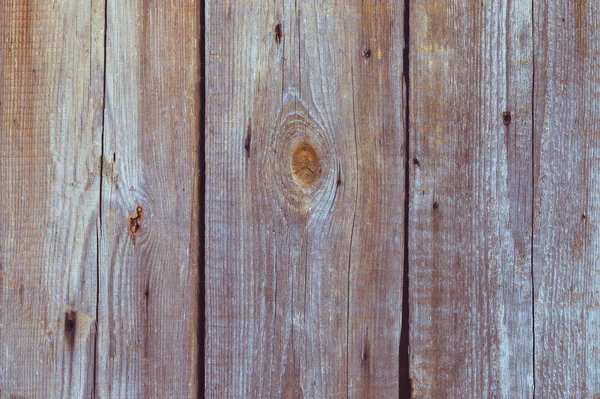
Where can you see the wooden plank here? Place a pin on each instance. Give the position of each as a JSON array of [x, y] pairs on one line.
[[148, 308], [567, 190], [470, 199], [304, 198], [51, 69]]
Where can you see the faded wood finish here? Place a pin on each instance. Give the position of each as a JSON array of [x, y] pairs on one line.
[[304, 198], [100, 198], [51, 67], [567, 194], [470, 199], [148, 295]]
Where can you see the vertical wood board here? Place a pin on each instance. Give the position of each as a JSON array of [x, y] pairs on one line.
[[148, 308], [51, 68], [567, 194], [470, 199], [304, 198]]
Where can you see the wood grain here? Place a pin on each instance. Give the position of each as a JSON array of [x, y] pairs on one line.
[[148, 307], [470, 199], [304, 198], [51, 68], [567, 192]]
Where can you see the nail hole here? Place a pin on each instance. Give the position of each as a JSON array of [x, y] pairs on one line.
[[506, 118], [248, 140], [70, 327], [278, 33]]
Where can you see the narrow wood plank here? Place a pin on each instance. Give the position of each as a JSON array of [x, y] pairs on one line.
[[304, 198], [567, 199], [470, 199], [148, 313], [51, 74]]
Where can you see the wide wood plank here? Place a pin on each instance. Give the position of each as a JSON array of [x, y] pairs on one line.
[[51, 69], [470, 199], [148, 307], [304, 198], [567, 199]]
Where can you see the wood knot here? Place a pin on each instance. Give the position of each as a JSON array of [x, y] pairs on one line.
[[134, 222], [506, 118], [305, 164]]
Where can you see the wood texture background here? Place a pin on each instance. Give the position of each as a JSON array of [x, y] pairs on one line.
[[566, 247], [470, 199], [304, 199], [148, 308], [51, 98], [299, 199]]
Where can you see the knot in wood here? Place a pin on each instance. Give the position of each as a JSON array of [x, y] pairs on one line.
[[305, 164], [133, 222]]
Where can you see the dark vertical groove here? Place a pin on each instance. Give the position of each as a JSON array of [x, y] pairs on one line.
[[99, 228], [405, 389], [351, 239], [97, 301], [202, 199], [533, 187]]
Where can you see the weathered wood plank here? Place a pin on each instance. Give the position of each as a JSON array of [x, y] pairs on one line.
[[148, 316], [567, 191], [51, 68], [304, 198], [470, 199]]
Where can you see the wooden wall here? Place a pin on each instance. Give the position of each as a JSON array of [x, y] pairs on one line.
[[299, 199]]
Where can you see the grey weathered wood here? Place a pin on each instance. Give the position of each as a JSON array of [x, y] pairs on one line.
[[304, 198], [51, 68], [148, 295], [566, 251], [470, 199]]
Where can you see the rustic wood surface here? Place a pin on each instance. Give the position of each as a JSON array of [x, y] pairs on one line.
[[566, 264], [250, 199], [304, 199], [470, 199], [148, 297], [51, 94]]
